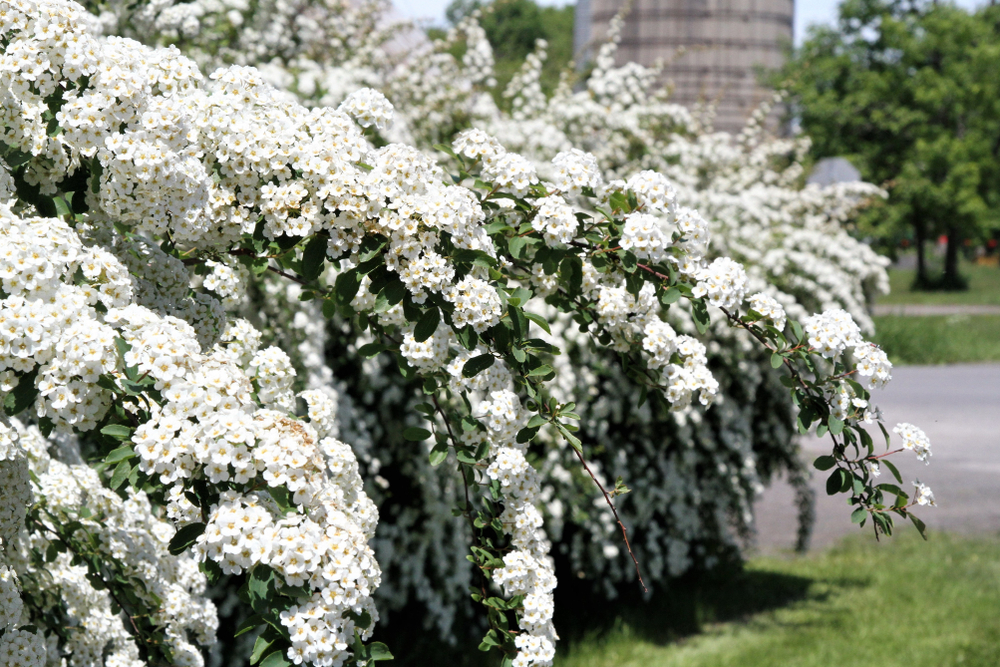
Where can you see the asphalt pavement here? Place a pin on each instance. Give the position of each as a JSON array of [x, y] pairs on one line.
[[958, 406]]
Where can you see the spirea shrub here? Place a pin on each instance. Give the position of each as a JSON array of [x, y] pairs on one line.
[[746, 191], [152, 443]]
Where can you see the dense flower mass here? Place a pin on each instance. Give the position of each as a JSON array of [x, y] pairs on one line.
[[153, 440]]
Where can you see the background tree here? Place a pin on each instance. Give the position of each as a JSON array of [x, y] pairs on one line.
[[907, 91], [513, 28]]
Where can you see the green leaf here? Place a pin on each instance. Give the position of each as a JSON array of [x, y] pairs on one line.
[[797, 330], [699, 311], [836, 425], [893, 489], [371, 350], [416, 434], [918, 524], [63, 208], [22, 396], [185, 538], [892, 468], [519, 296], [536, 421], [276, 659], [259, 585], [347, 285], [540, 321], [776, 360], [329, 308], [120, 474], [858, 515], [516, 246], [438, 455], [478, 364], [824, 462], [120, 454], [427, 325], [118, 431], [570, 438], [541, 370], [313, 257], [362, 620], [261, 646], [835, 482], [249, 624], [670, 296]]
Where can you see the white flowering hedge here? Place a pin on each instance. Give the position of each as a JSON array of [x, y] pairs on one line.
[[150, 444]]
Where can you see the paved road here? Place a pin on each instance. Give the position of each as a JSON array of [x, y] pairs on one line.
[[921, 309], [958, 407]]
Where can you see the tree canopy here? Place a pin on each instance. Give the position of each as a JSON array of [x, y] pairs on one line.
[[907, 91], [513, 28]]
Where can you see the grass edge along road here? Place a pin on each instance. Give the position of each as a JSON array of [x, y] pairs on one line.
[[900, 602], [941, 339]]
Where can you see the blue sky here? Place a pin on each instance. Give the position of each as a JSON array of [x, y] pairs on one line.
[[806, 11]]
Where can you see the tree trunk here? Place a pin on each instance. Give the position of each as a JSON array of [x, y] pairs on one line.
[[921, 281], [951, 280]]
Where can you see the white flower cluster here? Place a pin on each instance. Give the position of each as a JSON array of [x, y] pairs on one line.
[[769, 308], [723, 283], [10, 599], [476, 304], [478, 145], [431, 354], [22, 647], [48, 323], [512, 172], [556, 220], [369, 107], [15, 482], [125, 531], [832, 331], [873, 364], [575, 170], [631, 316], [846, 404], [924, 495], [274, 377], [915, 440], [527, 570], [228, 280], [643, 235], [694, 232], [654, 192]]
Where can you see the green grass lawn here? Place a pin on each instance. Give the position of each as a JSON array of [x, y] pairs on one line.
[[939, 339], [902, 602], [984, 288]]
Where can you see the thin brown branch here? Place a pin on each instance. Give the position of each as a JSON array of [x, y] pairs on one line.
[[882, 456], [607, 499], [465, 482]]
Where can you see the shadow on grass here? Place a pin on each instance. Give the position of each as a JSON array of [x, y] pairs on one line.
[[684, 608], [674, 613]]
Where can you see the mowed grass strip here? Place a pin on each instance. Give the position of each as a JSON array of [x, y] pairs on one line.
[[984, 288], [902, 602], [938, 339]]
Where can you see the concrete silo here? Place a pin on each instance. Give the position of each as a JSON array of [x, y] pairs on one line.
[[723, 41]]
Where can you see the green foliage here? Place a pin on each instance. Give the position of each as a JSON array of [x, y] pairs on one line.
[[907, 91], [513, 27]]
